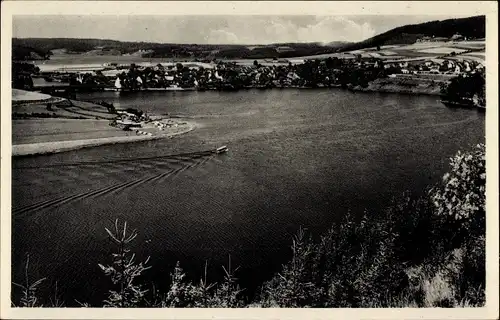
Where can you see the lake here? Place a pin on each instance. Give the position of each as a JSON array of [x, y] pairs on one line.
[[297, 158]]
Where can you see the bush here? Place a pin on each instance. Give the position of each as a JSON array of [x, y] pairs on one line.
[[426, 251], [228, 293], [462, 199], [183, 294], [297, 285], [29, 297], [123, 271]]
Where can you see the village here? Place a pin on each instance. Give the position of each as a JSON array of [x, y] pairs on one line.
[[229, 75], [430, 58]]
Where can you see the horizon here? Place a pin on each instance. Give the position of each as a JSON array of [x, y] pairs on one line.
[[214, 30]]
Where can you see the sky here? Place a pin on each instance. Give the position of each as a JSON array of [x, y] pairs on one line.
[[228, 29]]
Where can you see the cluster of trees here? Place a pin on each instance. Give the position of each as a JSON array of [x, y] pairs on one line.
[[21, 75], [419, 252], [399, 257], [467, 89]]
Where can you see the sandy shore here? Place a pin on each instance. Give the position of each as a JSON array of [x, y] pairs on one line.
[[61, 146]]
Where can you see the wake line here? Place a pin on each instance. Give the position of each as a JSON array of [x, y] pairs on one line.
[[190, 155], [180, 170], [205, 161], [106, 190], [84, 195], [65, 199]]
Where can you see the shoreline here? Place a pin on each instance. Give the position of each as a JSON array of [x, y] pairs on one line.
[[399, 90], [44, 148], [373, 86]]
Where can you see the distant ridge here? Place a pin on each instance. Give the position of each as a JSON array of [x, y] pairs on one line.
[[472, 27], [22, 48], [35, 48]]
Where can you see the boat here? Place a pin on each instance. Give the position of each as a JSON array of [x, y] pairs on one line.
[[221, 149], [458, 104], [481, 108]]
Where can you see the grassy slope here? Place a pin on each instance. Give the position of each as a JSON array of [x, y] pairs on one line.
[[468, 27]]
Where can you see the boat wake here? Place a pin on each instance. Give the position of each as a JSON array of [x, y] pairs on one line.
[[181, 163]]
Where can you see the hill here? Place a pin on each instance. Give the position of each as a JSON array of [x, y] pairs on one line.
[[32, 48], [338, 44], [472, 27], [21, 53], [44, 47]]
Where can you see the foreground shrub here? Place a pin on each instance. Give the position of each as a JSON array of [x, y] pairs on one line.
[[462, 198], [296, 285], [29, 289], [183, 294], [352, 259], [427, 252], [123, 271], [228, 293]]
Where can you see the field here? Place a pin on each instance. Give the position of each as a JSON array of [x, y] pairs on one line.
[[413, 52], [476, 56], [427, 77], [22, 95], [50, 130], [38, 136], [71, 59], [92, 62], [424, 50], [78, 109], [343, 55], [442, 50]]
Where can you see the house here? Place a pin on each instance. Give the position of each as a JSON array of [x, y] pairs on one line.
[[405, 71], [439, 39], [467, 66], [434, 70], [457, 69], [424, 39], [457, 37]]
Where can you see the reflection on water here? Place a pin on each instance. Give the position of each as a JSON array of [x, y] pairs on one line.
[[296, 158]]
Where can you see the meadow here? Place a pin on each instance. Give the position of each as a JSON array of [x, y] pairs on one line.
[[422, 50]]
